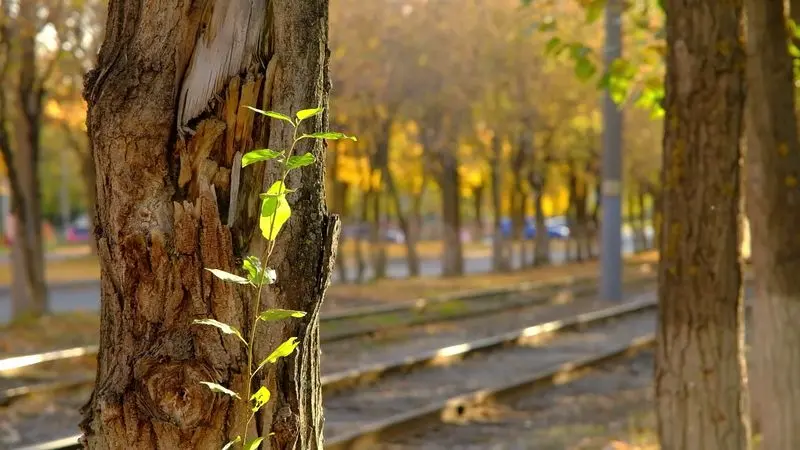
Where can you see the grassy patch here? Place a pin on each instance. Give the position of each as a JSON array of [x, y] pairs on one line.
[[48, 333], [402, 290]]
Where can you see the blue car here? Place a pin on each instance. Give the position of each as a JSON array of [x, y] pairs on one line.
[[557, 227]]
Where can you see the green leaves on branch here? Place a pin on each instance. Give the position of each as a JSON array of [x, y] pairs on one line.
[[275, 211], [221, 389], [224, 327]]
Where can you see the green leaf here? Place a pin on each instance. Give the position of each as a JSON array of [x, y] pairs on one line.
[[260, 398], [271, 315], [552, 45], [594, 10], [225, 276], [273, 114], [255, 156], [584, 69], [224, 327], [285, 349], [230, 444], [294, 162], [253, 445], [252, 265], [221, 389], [275, 211], [330, 135], [306, 113]]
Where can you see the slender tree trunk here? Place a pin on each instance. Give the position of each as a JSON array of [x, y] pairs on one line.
[[542, 248], [361, 261], [452, 256], [640, 199], [377, 244], [172, 202], [500, 262], [340, 207], [477, 199], [700, 379], [773, 161], [29, 291], [412, 257]]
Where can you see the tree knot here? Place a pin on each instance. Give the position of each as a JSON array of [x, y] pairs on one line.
[[172, 392]]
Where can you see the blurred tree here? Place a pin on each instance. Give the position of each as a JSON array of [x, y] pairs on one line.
[[773, 171], [32, 34]]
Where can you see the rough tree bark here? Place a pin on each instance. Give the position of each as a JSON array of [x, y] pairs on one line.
[[700, 369], [167, 128], [773, 162]]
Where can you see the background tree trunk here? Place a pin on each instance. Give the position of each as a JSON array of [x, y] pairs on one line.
[[500, 257], [773, 162], [700, 369], [29, 291], [452, 256], [171, 202], [377, 243]]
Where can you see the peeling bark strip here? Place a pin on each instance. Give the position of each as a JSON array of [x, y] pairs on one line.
[[700, 369], [166, 125]]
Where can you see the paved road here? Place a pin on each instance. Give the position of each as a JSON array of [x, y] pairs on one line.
[[88, 297]]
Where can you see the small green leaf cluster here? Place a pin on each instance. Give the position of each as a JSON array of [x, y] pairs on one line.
[[622, 80], [275, 212]]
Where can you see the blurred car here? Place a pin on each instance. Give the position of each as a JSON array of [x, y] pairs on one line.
[[78, 231], [557, 227]]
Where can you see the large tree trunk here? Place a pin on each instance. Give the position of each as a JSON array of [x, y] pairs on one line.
[[700, 368], [174, 201], [773, 161], [29, 291]]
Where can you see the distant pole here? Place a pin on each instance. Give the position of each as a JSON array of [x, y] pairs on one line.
[[611, 225]]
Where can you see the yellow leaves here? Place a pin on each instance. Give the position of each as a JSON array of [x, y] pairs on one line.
[[790, 181], [783, 149], [72, 113]]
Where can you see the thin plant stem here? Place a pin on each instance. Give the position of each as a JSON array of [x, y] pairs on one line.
[[264, 266]]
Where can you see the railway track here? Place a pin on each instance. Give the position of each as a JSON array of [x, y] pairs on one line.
[[445, 381], [512, 307]]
